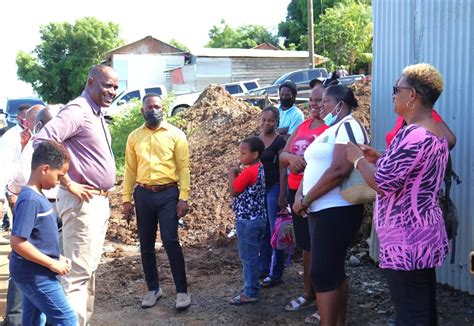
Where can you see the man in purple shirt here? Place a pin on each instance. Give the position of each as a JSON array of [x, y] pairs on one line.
[[82, 200]]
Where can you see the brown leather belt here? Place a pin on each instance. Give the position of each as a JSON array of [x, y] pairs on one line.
[[158, 188], [94, 191], [99, 192]]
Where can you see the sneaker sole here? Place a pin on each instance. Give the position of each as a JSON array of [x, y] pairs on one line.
[[146, 307], [181, 308]]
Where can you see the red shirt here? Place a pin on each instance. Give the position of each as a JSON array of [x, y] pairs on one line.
[[246, 178], [303, 137], [400, 123]]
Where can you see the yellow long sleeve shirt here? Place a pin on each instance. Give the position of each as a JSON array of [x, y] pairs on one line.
[[156, 157]]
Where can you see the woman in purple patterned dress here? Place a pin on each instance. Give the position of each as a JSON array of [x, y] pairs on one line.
[[408, 179]]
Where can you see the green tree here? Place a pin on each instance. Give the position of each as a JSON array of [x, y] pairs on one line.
[[295, 28], [179, 45], [246, 37], [345, 32], [57, 68]]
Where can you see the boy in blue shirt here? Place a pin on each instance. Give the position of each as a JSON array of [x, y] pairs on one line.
[[290, 115], [35, 261]]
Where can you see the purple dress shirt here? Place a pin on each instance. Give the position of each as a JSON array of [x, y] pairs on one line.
[[81, 128]]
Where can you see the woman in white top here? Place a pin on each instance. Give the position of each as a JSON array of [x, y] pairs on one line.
[[333, 222]]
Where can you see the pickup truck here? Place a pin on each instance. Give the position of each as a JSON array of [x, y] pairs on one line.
[[181, 102]]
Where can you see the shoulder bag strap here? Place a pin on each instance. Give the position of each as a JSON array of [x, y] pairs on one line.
[[350, 133]]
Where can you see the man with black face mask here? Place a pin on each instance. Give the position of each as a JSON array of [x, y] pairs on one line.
[[290, 116], [157, 162]]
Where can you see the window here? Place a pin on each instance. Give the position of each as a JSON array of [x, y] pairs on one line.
[[121, 67], [297, 77], [251, 85], [156, 90], [315, 73], [131, 95], [233, 89]]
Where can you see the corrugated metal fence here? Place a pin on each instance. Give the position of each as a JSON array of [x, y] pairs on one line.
[[440, 32]]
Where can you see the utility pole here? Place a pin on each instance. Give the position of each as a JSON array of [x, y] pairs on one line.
[[310, 34]]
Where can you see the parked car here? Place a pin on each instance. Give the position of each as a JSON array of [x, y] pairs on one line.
[[302, 77], [12, 108], [348, 80], [241, 87], [180, 103]]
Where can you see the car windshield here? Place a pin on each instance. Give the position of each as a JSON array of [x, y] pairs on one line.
[[118, 96], [12, 105], [281, 79]]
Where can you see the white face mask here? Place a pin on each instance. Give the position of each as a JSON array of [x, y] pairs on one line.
[[36, 129], [329, 119]]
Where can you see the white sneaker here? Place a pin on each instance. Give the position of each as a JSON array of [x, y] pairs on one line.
[[149, 299], [183, 301]]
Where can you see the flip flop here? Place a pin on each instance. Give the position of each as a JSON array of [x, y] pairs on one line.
[[269, 282], [314, 319], [241, 300], [298, 304]]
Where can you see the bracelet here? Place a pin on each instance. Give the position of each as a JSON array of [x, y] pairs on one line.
[[304, 202], [356, 162]]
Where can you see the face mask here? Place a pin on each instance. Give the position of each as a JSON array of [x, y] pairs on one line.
[[153, 118], [36, 128], [287, 102], [329, 119]]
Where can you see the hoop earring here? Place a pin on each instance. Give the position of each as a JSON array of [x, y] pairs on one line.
[[412, 107]]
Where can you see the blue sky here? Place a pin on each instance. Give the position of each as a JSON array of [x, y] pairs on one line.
[[187, 21]]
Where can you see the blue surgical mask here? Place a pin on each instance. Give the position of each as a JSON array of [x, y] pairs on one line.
[[329, 119]]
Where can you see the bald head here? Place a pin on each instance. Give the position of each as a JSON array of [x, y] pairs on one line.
[[31, 115], [44, 115], [100, 70]]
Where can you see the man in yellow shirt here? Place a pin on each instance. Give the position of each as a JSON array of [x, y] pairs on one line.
[[157, 162]]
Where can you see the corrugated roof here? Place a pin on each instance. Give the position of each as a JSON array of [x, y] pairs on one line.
[[149, 37], [253, 53]]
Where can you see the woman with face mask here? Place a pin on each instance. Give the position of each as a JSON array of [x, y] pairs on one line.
[[293, 159], [333, 221]]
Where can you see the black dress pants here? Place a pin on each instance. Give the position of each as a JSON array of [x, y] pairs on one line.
[[155, 208]]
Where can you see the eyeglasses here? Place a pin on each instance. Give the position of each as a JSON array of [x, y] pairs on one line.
[[397, 89]]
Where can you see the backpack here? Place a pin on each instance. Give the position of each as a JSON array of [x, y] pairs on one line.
[[283, 236], [449, 210]]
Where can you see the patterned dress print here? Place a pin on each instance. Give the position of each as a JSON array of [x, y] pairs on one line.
[[250, 204], [408, 218]]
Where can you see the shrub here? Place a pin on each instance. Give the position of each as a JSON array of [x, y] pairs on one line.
[[132, 118]]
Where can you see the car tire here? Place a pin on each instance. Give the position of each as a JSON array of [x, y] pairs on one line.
[[178, 109]]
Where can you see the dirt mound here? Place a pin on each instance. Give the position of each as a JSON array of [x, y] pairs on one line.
[[362, 92], [215, 125]]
